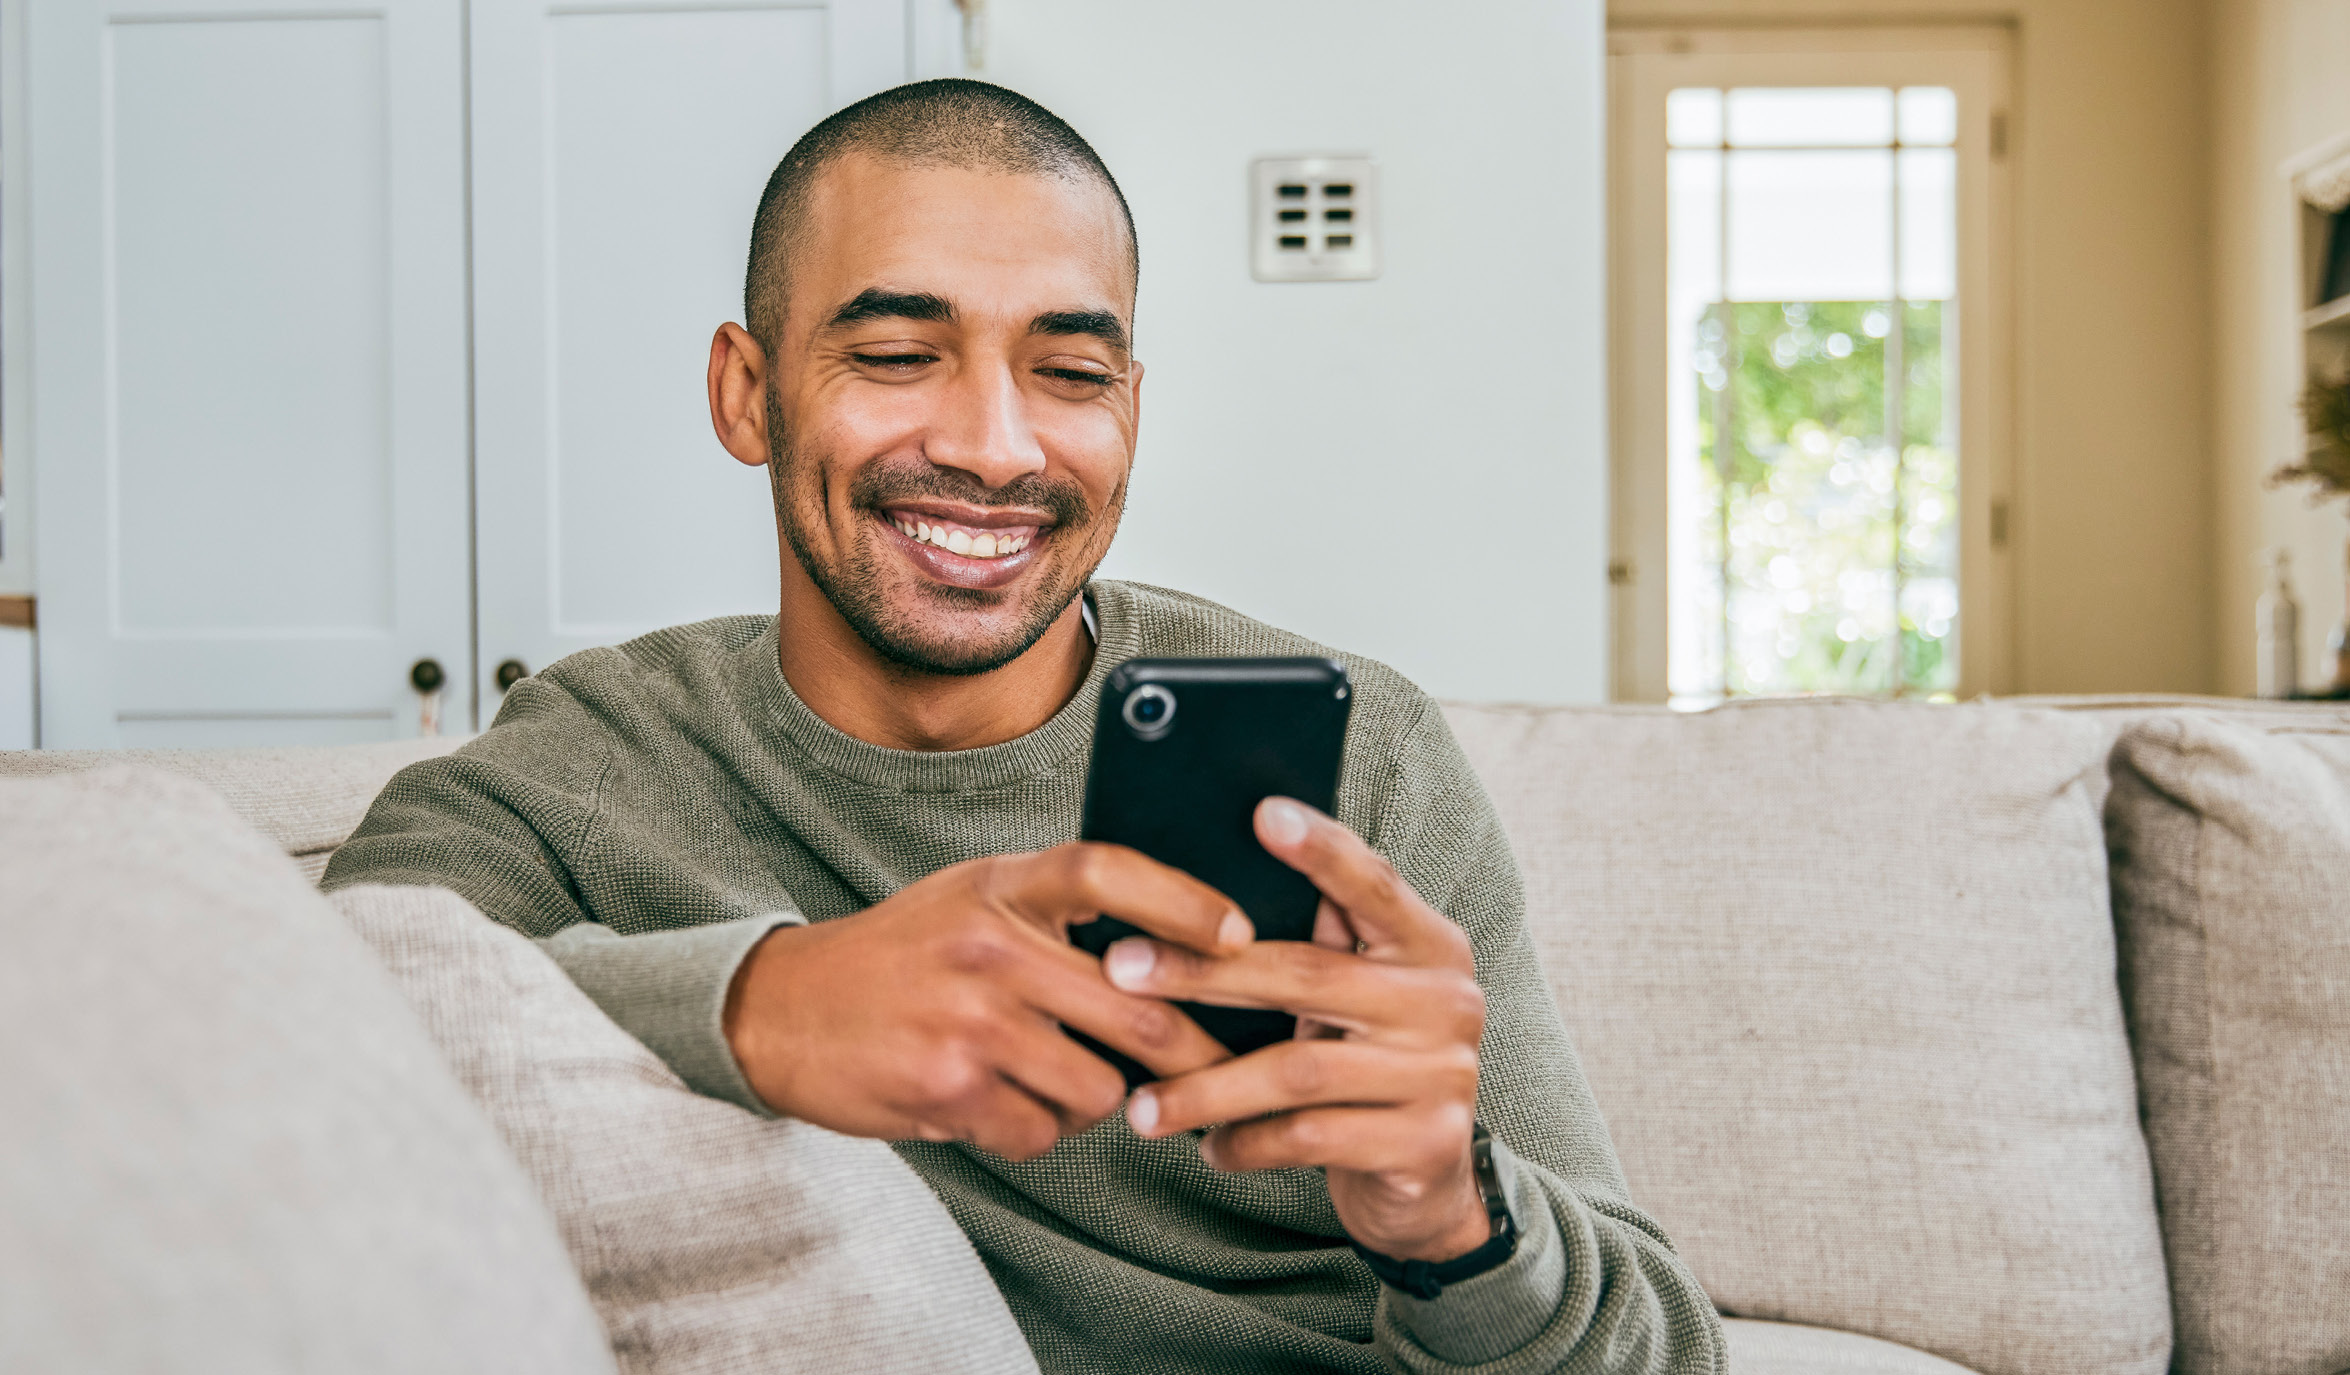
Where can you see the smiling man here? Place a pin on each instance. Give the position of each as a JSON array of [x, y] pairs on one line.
[[824, 863]]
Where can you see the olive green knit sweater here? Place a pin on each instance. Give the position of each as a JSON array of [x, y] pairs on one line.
[[650, 811]]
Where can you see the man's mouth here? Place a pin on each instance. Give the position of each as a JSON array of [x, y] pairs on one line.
[[967, 541], [971, 547]]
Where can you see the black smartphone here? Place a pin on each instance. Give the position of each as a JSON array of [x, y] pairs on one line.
[[1183, 751]]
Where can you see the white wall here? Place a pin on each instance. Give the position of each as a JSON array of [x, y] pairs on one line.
[[1412, 468], [16, 688], [16, 470]]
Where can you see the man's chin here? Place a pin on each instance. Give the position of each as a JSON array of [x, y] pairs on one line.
[[956, 642]]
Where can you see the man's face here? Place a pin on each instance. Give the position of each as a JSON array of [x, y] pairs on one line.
[[952, 404]]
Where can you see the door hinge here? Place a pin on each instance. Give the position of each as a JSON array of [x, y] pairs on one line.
[[1999, 524], [1999, 135], [1619, 572]]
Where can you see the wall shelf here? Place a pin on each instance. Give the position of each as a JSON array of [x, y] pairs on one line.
[[2332, 318]]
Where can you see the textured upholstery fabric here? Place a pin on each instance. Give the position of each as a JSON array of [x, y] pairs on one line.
[[712, 1240], [2231, 842], [1781, 1348], [225, 1142], [304, 799], [1842, 975]]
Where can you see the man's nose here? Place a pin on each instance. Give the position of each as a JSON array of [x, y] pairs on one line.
[[984, 430]]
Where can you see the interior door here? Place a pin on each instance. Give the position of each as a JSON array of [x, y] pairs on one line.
[[247, 239], [618, 156]]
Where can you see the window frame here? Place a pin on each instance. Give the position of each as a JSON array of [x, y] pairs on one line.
[[1644, 64]]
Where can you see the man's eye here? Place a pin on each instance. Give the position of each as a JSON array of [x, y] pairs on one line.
[[1094, 379], [893, 360]]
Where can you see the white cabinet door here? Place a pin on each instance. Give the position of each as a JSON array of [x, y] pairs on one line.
[[247, 252], [618, 154]]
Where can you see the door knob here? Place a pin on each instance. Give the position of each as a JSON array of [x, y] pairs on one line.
[[511, 672], [426, 677]]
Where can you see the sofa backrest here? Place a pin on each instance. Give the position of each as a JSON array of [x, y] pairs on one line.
[[308, 800]]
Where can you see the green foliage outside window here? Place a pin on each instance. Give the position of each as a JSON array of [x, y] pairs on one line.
[[1841, 567]]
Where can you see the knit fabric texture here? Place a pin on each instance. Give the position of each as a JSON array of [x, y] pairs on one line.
[[677, 783]]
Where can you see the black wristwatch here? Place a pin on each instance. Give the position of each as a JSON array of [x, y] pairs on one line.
[[1426, 1279]]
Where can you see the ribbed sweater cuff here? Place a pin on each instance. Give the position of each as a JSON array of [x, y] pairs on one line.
[[1488, 1317], [668, 989]]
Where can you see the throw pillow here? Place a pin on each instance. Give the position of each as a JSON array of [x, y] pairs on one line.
[[2231, 842], [1842, 977], [712, 1240], [226, 1142]]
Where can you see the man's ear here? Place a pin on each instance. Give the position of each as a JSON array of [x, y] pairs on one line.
[[738, 394]]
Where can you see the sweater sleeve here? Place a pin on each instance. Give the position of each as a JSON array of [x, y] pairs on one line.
[[499, 836], [668, 989], [1594, 1284]]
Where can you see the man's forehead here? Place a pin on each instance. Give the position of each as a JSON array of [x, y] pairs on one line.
[[961, 232]]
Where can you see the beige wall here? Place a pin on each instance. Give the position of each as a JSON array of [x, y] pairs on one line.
[[2281, 83], [2112, 522]]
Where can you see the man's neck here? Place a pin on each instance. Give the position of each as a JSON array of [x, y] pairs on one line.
[[861, 694]]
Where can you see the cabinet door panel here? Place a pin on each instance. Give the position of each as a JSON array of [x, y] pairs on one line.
[[619, 155], [249, 414]]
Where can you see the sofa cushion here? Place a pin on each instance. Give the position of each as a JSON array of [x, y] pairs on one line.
[[1842, 977], [227, 1142], [1781, 1348], [2231, 843], [712, 1240], [306, 799]]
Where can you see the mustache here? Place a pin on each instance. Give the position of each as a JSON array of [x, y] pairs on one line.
[[881, 485]]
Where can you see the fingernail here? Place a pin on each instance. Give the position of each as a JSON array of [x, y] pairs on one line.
[[1284, 821], [1129, 962], [1235, 930], [1142, 1112]]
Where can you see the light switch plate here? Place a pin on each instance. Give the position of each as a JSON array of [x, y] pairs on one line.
[[1314, 219]]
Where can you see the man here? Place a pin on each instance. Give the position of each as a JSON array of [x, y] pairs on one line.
[[824, 864]]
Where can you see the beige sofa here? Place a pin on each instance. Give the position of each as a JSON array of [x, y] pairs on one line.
[[2012, 1038]]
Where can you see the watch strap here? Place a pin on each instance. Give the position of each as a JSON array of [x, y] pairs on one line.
[[1424, 1279]]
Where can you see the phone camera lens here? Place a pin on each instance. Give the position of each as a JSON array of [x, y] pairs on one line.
[[1150, 710]]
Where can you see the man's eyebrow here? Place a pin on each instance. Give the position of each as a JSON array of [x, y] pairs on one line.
[[875, 304], [1101, 324]]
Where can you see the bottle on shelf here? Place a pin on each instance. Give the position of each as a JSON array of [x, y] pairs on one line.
[[2279, 667], [2338, 643]]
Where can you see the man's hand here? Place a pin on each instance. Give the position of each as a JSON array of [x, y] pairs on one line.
[[1380, 1086], [937, 1013]]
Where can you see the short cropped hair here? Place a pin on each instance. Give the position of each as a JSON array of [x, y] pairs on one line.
[[948, 122]]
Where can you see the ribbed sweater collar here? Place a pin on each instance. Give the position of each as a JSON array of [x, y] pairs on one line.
[[1061, 742]]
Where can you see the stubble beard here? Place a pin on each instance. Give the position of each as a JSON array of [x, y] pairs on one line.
[[857, 589]]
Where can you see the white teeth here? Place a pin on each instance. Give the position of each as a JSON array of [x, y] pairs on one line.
[[985, 545]]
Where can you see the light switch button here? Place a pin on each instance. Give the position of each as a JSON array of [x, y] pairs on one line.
[[1314, 219]]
